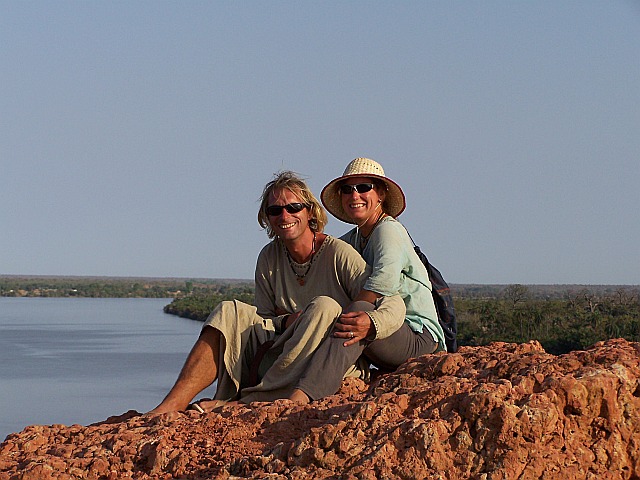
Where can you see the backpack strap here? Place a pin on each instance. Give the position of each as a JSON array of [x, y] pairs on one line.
[[442, 299]]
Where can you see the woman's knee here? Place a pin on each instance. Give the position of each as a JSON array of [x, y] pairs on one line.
[[361, 306]]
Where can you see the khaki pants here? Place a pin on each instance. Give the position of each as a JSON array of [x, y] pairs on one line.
[[243, 331]]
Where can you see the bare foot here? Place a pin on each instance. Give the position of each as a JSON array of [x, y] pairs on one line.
[[164, 408], [298, 396], [203, 406]]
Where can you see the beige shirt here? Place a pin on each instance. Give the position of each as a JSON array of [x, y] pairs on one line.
[[337, 271], [335, 278]]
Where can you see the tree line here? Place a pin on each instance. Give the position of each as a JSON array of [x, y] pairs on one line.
[[199, 306], [560, 318], [573, 322], [114, 287]]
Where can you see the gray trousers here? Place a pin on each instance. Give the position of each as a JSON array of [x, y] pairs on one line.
[[332, 359]]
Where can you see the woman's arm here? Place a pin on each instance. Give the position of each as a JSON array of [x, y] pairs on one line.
[[385, 317], [386, 257], [264, 297], [367, 296]]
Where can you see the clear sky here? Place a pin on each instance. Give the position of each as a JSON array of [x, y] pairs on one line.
[[136, 137]]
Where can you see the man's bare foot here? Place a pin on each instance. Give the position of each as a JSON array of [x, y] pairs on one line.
[[299, 397], [204, 406], [166, 407]]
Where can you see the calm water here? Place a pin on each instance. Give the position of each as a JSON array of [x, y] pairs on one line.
[[81, 360]]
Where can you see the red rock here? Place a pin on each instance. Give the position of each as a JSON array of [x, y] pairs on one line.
[[503, 411]]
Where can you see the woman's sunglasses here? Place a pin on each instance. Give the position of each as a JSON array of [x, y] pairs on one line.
[[275, 210], [360, 188]]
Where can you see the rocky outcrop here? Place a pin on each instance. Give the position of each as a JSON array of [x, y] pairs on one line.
[[502, 411]]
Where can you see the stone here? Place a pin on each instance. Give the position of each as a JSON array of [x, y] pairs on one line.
[[501, 411]]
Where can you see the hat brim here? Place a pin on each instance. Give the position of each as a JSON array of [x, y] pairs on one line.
[[394, 203]]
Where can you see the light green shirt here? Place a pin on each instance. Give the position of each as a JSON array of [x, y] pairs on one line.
[[396, 269]]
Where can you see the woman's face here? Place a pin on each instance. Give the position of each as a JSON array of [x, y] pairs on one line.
[[361, 205]]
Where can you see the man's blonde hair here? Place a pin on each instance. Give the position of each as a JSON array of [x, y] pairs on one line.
[[291, 181]]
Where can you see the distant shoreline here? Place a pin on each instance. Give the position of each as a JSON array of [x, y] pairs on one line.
[[122, 278], [250, 280], [112, 287], [12, 285]]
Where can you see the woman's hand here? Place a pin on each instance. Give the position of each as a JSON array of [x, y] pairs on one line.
[[353, 326]]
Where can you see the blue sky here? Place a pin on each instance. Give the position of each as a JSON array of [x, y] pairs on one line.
[[136, 137]]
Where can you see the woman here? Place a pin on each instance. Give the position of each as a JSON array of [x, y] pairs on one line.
[[364, 196]]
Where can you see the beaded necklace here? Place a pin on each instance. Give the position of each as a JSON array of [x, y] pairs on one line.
[[365, 238], [300, 278]]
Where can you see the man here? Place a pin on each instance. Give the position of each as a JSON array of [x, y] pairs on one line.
[[304, 279]]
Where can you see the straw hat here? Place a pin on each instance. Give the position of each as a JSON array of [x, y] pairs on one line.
[[394, 203]]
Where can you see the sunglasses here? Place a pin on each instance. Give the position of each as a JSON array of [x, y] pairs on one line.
[[360, 188], [275, 210]]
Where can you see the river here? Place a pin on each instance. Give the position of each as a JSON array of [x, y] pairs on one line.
[[80, 360]]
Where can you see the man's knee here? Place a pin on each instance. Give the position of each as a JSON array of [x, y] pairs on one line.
[[325, 304], [321, 309], [225, 307], [231, 312]]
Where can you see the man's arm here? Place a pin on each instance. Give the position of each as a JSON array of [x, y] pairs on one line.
[[265, 295]]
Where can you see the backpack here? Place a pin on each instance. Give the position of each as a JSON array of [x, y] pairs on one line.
[[443, 300]]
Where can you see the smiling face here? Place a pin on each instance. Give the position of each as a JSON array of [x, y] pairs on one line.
[[289, 226], [363, 208]]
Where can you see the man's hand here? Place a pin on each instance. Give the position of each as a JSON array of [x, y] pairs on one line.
[[353, 326], [292, 318]]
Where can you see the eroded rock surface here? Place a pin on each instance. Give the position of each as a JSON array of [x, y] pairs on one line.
[[503, 411]]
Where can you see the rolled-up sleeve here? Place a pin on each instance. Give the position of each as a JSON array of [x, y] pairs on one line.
[[388, 316]]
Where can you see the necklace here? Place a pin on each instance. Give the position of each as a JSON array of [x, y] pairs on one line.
[[300, 278], [365, 238]]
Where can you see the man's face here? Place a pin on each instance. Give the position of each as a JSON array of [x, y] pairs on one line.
[[288, 226]]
